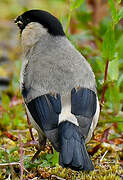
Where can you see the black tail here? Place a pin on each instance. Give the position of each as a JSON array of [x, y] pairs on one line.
[[73, 153]]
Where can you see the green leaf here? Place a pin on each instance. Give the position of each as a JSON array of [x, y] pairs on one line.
[[6, 119], [113, 10], [117, 119], [76, 4], [1, 154], [49, 157], [121, 96], [5, 101], [114, 98], [120, 80], [119, 1], [55, 158], [45, 164], [120, 14], [109, 44], [120, 126], [13, 149], [113, 70], [119, 47]]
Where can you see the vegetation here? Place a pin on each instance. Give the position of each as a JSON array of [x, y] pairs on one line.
[[96, 30]]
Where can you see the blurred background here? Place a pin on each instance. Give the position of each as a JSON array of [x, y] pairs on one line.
[[88, 26]]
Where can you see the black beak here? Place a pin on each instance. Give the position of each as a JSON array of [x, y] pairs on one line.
[[15, 21], [19, 23]]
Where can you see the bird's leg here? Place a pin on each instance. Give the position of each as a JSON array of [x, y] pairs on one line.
[[30, 128], [42, 143]]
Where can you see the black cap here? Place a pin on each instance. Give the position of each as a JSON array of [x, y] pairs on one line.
[[50, 22]]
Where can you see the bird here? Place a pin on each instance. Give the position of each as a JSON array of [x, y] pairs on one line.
[[58, 87]]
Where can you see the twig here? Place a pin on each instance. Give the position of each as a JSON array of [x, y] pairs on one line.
[[105, 86], [2, 165], [10, 136], [9, 178], [59, 178], [32, 143], [19, 131], [108, 162], [21, 157], [8, 164], [103, 156]]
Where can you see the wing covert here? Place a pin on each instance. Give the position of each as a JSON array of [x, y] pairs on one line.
[[83, 106]]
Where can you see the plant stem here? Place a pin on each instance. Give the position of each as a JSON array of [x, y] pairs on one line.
[[105, 86], [21, 158], [68, 22]]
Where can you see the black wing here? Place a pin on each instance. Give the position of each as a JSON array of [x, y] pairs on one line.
[[45, 111]]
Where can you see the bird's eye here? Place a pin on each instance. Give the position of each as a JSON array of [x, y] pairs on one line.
[[19, 23]]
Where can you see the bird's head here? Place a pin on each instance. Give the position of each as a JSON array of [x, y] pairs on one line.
[[48, 21]]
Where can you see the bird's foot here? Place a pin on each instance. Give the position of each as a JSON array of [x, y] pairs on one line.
[[49, 149], [41, 147], [36, 155]]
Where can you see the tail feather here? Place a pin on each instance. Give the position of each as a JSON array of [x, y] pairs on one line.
[[67, 149], [73, 153], [88, 165]]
